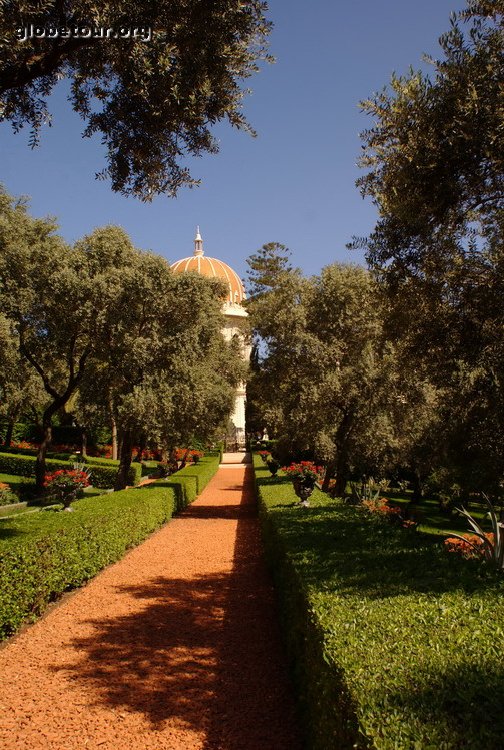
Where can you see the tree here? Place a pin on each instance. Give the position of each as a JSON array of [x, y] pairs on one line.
[[20, 389], [328, 380], [436, 159], [110, 331], [267, 267], [152, 100], [436, 151], [161, 364], [59, 299]]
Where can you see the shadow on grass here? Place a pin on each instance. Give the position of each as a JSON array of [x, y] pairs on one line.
[[452, 717], [200, 650], [269, 480], [9, 533]]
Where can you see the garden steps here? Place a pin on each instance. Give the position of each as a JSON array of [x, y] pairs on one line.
[[235, 459]]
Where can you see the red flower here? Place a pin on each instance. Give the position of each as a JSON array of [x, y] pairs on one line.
[[304, 470]]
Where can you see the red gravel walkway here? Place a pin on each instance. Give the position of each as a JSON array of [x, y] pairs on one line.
[[176, 646]]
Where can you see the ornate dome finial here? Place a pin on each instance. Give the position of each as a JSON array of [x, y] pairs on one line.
[[198, 243]]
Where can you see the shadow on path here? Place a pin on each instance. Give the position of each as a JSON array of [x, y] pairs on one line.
[[204, 652]]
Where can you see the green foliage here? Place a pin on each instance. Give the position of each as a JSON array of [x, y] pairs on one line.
[[44, 555], [396, 644], [20, 387], [434, 156], [113, 335], [435, 149], [328, 379], [7, 495], [364, 490], [491, 550], [47, 553], [151, 98], [101, 476], [66, 485], [192, 479]]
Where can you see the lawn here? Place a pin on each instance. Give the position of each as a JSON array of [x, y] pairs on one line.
[[433, 521], [16, 482], [23, 486]]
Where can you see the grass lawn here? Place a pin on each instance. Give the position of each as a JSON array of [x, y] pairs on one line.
[[433, 521], [17, 483]]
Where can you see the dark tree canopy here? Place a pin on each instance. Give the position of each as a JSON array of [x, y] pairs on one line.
[[435, 152], [152, 101]]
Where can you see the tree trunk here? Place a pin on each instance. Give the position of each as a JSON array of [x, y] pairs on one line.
[[9, 432], [115, 451], [341, 480], [40, 464], [125, 460], [342, 470], [142, 444], [172, 461], [331, 466], [184, 458], [84, 443], [417, 488]]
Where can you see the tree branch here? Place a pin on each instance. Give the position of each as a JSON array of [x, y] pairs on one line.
[[48, 387], [42, 64]]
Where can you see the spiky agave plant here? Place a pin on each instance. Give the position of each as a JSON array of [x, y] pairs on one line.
[[491, 550]]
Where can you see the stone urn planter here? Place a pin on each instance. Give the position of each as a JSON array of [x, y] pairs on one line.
[[304, 489], [273, 466], [303, 476]]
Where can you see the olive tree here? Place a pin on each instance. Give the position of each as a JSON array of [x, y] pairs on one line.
[[150, 79]]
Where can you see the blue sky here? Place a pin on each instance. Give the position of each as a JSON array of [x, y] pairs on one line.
[[294, 183]]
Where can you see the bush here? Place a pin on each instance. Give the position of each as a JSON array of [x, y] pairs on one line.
[[102, 476], [47, 553], [192, 480], [7, 495], [395, 643], [21, 431]]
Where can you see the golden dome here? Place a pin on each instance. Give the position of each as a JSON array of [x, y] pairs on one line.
[[213, 268]]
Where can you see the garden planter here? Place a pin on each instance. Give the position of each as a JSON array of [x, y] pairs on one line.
[[303, 489]]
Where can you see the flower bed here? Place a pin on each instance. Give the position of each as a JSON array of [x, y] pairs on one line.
[[394, 642]]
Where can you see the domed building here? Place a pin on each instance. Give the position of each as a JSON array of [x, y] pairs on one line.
[[233, 311]]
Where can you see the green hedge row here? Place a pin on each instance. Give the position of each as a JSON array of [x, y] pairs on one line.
[[101, 475], [192, 480], [61, 434], [46, 553], [395, 643]]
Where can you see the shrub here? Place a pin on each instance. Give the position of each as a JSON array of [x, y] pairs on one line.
[[7, 495], [102, 475], [47, 553], [395, 643], [489, 547], [192, 480]]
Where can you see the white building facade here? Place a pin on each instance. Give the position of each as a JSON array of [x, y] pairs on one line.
[[235, 317]]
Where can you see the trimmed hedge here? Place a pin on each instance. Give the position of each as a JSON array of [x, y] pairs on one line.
[[46, 553], [101, 476], [192, 479], [396, 644]]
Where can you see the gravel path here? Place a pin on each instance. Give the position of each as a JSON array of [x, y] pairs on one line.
[[176, 646]]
